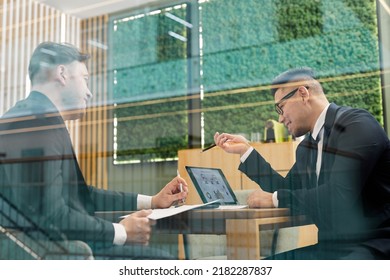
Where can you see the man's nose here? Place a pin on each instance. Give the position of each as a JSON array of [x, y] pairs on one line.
[[89, 94], [281, 118]]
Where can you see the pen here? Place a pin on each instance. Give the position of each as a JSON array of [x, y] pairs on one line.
[[180, 185], [209, 147]]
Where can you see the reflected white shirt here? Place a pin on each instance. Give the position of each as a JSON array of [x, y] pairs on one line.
[[143, 202]]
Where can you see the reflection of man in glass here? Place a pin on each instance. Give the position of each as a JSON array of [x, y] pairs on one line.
[[42, 176]]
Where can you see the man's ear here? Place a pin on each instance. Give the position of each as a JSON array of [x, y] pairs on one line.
[[303, 93], [60, 74]]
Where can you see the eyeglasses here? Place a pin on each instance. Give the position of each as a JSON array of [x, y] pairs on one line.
[[278, 109]]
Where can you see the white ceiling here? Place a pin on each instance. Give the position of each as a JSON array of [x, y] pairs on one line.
[[91, 8]]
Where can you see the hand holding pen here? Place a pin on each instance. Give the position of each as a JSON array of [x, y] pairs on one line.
[[220, 140], [231, 143], [209, 147], [175, 191], [180, 186]]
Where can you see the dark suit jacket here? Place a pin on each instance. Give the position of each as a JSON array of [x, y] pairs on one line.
[[352, 198], [41, 175]]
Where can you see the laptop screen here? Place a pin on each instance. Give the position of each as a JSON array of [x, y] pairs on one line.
[[211, 184]]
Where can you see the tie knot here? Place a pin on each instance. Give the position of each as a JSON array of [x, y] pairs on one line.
[[319, 135], [313, 143]]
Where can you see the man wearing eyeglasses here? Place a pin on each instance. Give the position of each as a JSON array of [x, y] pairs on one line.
[[341, 176]]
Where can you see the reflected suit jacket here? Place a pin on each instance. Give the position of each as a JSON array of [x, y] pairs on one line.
[[351, 199], [42, 177]]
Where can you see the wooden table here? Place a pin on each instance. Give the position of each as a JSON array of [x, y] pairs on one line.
[[242, 227]]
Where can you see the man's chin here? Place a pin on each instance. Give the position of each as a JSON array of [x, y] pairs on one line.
[[295, 133], [73, 114], [292, 132]]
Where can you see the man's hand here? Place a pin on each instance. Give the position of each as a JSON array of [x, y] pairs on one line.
[[170, 193], [234, 144], [138, 227], [260, 199]]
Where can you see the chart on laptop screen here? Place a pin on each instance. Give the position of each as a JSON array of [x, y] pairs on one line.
[[211, 184]]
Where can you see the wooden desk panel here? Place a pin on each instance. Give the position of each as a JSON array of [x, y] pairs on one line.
[[243, 236], [241, 226], [194, 221]]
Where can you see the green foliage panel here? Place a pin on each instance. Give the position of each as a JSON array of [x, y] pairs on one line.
[[149, 64], [151, 131], [337, 38], [245, 45]]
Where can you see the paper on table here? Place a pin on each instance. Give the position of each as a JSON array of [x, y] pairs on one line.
[[167, 212]]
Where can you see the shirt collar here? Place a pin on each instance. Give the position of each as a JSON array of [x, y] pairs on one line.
[[319, 123]]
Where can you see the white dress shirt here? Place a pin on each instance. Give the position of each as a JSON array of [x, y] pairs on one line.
[[318, 134], [318, 131], [143, 202]]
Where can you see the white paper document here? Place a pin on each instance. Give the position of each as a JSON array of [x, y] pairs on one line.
[[167, 212]]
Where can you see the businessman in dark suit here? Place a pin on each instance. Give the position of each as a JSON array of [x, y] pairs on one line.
[[41, 175], [340, 179]]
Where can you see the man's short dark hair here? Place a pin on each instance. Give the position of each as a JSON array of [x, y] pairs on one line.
[[304, 73], [50, 54]]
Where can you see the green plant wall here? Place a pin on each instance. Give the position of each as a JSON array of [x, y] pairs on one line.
[[149, 64], [245, 44]]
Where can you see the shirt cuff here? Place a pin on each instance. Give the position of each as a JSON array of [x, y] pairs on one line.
[[120, 235], [275, 200], [144, 202], [246, 155]]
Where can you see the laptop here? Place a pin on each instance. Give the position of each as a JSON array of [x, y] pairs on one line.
[[212, 185]]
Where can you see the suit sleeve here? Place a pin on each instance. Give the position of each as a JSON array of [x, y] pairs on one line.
[[261, 172], [106, 200], [47, 188], [357, 142]]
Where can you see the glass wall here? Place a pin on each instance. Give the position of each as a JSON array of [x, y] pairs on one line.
[[149, 81], [241, 47], [165, 77], [247, 44]]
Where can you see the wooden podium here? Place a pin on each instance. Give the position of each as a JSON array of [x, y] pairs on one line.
[[281, 156]]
